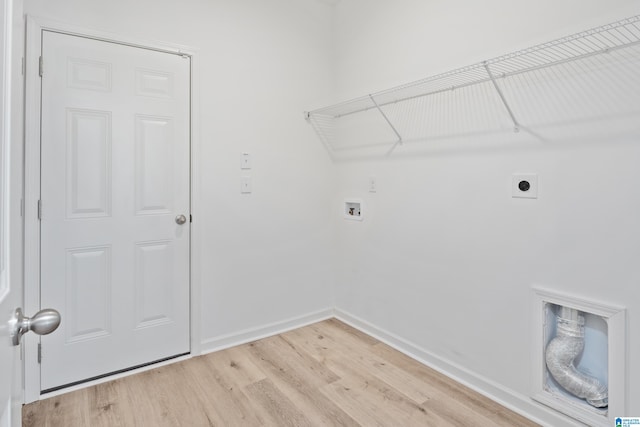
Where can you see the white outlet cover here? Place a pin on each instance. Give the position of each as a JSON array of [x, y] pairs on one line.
[[245, 161], [531, 178], [245, 184]]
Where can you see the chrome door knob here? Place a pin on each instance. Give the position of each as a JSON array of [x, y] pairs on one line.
[[181, 219], [44, 322]]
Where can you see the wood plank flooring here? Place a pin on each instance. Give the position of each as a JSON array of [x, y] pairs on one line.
[[325, 374]]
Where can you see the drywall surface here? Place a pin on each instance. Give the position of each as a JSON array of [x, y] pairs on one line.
[[264, 255], [445, 258]]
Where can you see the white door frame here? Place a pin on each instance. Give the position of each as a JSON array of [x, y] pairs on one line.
[[35, 26], [11, 288]]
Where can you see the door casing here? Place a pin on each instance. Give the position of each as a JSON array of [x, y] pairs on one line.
[[35, 26]]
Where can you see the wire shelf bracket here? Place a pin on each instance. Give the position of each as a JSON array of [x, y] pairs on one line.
[[393, 128], [516, 125]]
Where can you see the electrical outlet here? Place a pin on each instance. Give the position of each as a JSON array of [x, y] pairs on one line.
[[372, 184], [524, 185]]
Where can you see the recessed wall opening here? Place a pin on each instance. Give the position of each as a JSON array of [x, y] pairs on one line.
[[353, 209], [579, 364]]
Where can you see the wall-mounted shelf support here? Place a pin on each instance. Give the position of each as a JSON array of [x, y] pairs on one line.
[[393, 128], [516, 125]]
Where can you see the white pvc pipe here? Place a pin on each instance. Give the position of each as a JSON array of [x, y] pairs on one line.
[[561, 353]]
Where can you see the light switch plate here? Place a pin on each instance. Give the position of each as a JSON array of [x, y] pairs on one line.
[[524, 185], [245, 184], [245, 161]]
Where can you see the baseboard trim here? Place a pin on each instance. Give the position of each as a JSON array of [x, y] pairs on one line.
[[252, 334], [516, 402]]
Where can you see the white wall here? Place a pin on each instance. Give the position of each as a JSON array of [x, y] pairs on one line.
[[445, 258], [264, 255]]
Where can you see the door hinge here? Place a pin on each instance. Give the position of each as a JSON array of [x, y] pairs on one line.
[[40, 66], [190, 218], [40, 210], [22, 66], [39, 352]]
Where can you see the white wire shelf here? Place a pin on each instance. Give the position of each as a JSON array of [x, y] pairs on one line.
[[497, 93]]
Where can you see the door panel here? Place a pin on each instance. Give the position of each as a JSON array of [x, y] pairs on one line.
[[88, 290], [153, 165], [88, 178], [153, 283], [115, 174]]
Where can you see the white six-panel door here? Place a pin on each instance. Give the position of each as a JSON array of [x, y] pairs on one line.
[[115, 175]]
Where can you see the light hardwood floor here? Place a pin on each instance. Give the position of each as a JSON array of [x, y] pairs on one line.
[[324, 374]]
